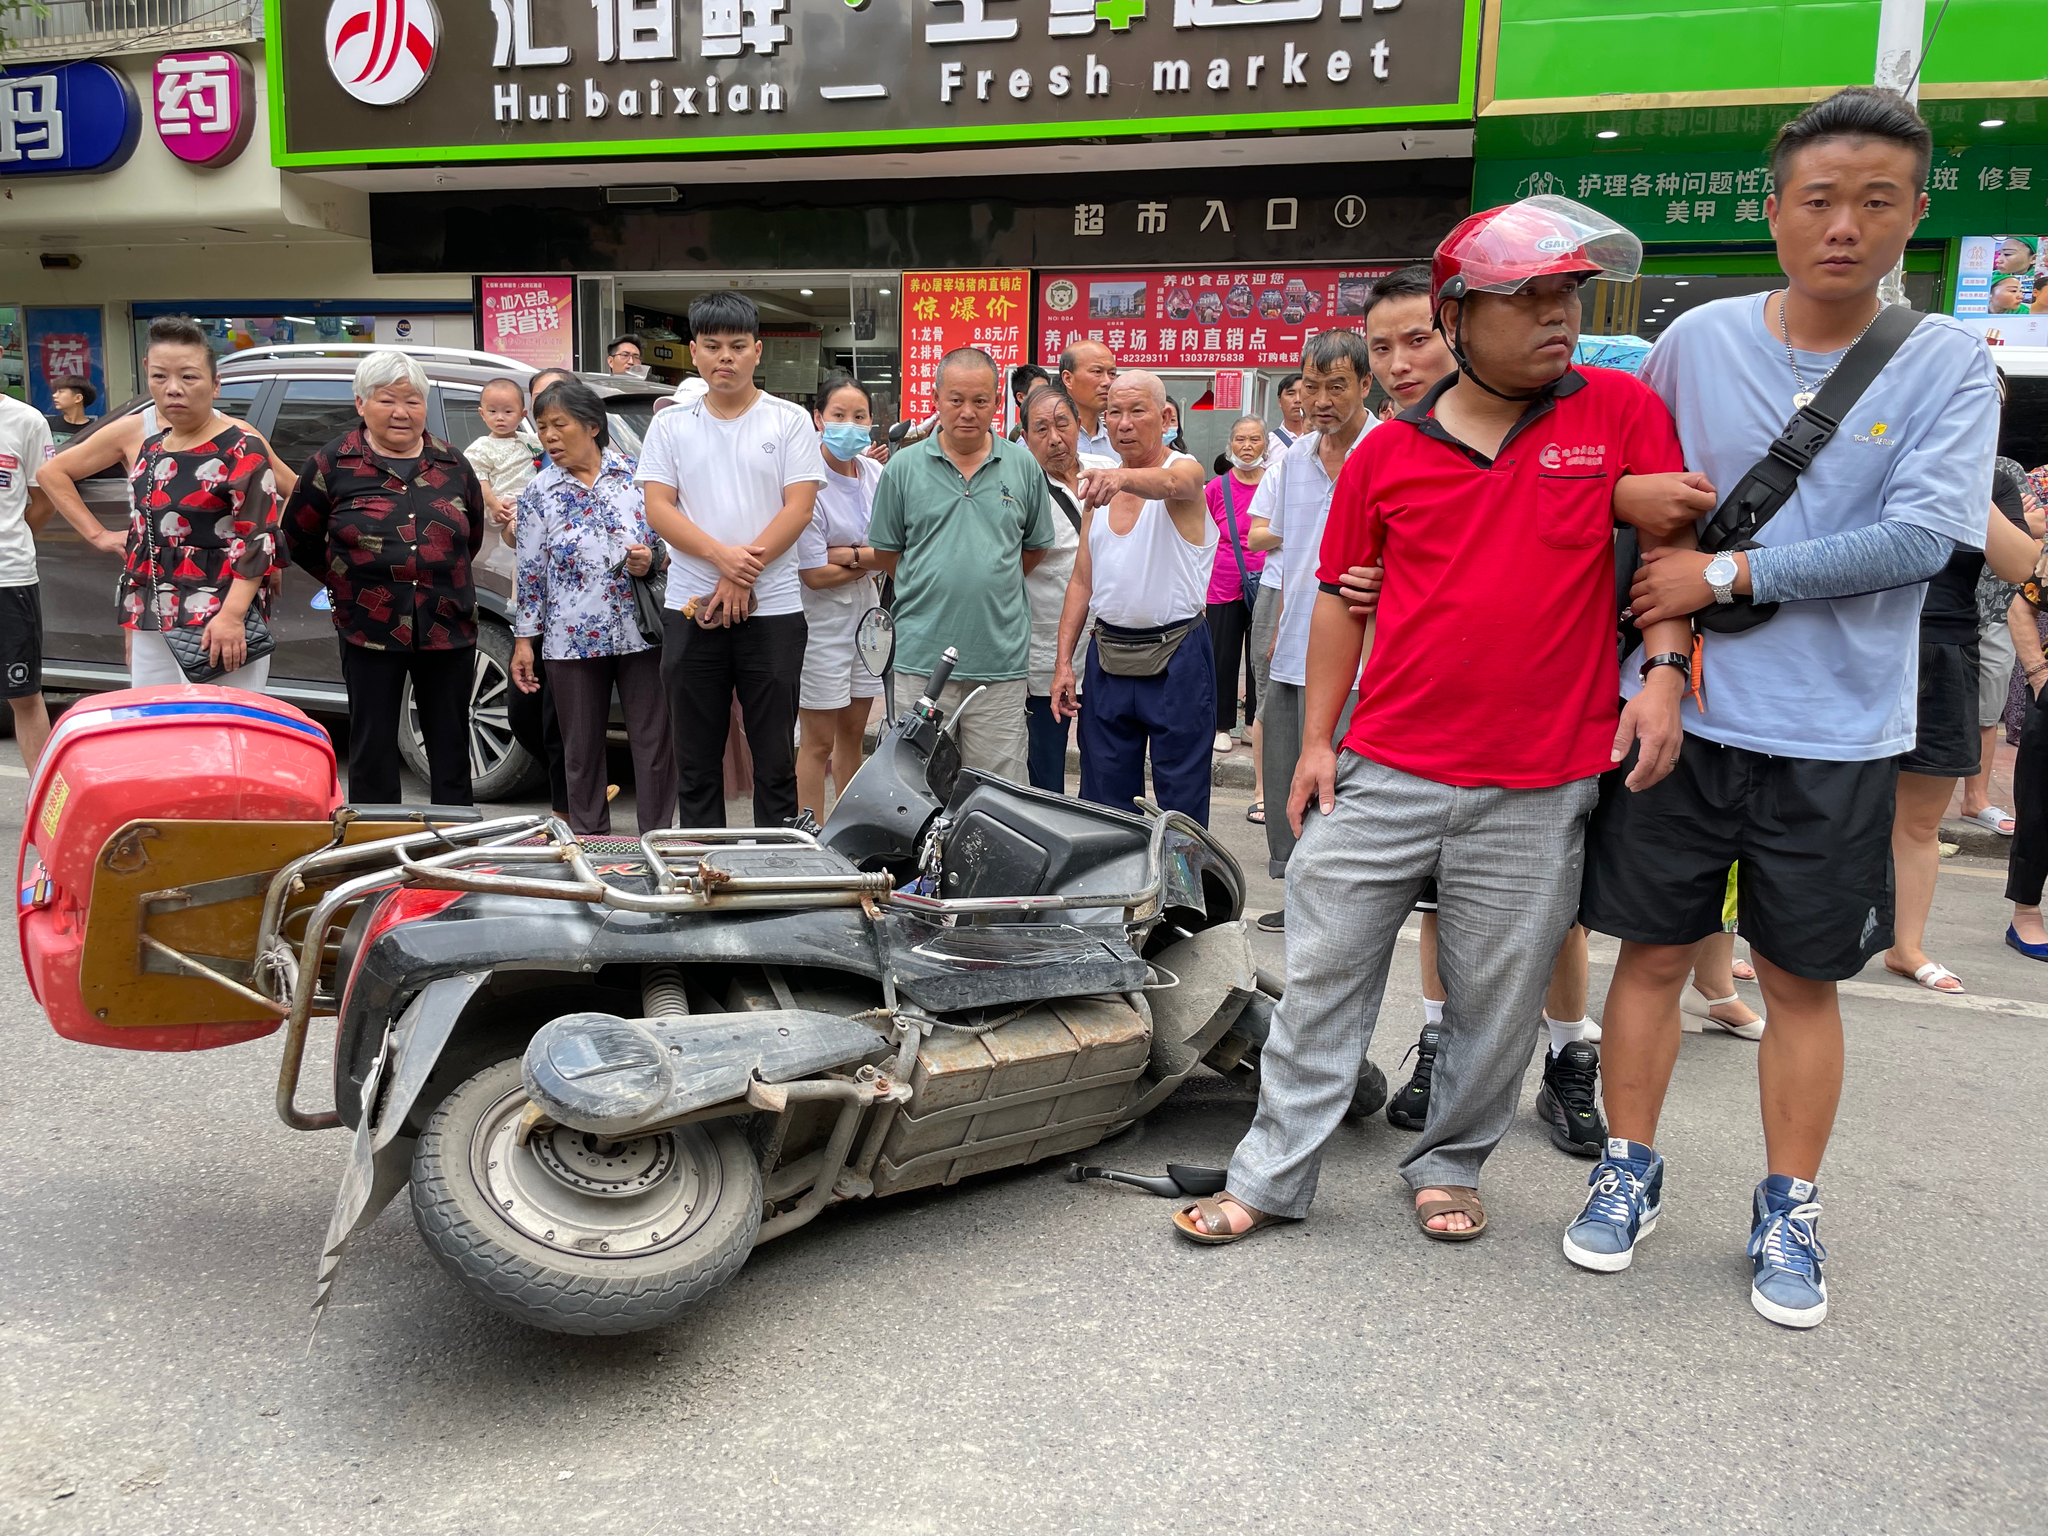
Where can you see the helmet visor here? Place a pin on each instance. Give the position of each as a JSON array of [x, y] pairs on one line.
[[1540, 236]]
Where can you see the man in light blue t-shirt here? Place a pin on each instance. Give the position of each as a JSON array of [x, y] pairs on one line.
[[1791, 768]]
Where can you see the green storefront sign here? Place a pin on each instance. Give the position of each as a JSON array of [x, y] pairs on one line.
[[1719, 195]]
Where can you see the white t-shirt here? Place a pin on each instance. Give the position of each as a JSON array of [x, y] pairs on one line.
[[845, 503], [1294, 499], [729, 479], [1835, 679], [24, 444]]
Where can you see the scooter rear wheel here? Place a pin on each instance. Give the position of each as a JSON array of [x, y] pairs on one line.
[[571, 1232]]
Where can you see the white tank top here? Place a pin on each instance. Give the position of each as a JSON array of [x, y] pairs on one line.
[[1151, 576]]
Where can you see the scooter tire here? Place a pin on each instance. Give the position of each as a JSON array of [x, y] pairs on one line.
[[542, 1286]]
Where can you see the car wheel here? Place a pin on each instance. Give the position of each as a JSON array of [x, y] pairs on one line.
[[499, 768], [571, 1232]]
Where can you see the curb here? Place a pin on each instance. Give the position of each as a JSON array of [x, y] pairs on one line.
[[1225, 771], [1973, 841]]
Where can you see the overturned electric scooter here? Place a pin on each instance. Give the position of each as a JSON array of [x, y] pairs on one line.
[[607, 1069]]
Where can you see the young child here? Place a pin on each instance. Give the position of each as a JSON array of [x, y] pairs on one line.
[[506, 458]]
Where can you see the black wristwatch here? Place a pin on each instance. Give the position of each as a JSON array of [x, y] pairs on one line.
[[1669, 659]]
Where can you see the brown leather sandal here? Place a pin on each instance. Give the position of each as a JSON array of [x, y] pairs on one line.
[[1211, 1213], [1466, 1203]]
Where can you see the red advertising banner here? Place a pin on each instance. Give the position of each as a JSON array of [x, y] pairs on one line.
[[944, 310], [527, 319], [1250, 318]]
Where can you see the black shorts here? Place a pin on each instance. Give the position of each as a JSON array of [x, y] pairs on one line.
[[21, 642], [1426, 902], [1814, 838], [1948, 743]]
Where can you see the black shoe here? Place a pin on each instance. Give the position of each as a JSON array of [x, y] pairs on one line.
[[1274, 922], [1409, 1109], [1569, 1100], [1369, 1095]]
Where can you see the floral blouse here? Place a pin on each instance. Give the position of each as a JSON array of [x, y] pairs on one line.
[[574, 593], [211, 515], [394, 554]]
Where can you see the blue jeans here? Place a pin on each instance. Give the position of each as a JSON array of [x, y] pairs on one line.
[[1047, 750]]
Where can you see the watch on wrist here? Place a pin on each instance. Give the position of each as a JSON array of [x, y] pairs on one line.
[[1675, 659], [1720, 573]]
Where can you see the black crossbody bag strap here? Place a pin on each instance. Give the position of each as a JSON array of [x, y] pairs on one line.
[[1760, 494], [1246, 589]]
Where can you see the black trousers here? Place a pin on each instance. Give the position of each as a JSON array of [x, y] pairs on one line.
[[762, 661], [534, 726], [583, 693], [2026, 865], [1230, 627], [441, 682]]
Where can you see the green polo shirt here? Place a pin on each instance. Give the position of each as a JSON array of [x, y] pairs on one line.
[[961, 579]]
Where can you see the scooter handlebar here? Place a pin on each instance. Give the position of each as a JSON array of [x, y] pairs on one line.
[[936, 683]]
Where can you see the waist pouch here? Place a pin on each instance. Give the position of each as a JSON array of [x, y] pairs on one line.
[[1139, 652]]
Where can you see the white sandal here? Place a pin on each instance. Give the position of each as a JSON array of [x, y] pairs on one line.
[[1931, 975], [1992, 819], [1701, 1007]]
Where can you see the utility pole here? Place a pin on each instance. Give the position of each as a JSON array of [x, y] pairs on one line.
[[1901, 28]]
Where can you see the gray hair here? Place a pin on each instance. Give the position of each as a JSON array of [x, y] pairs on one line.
[[1152, 385], [1257, 421], [386, 367]]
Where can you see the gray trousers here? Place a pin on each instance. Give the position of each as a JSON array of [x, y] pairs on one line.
[[1280, 706], [1507, 864], [996, 735]]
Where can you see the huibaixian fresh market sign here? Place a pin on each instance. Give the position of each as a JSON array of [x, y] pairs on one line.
[[429, 81]]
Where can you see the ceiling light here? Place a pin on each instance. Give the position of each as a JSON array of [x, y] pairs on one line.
[[1607, 133], [805, 292], [1683, 282], [1992, 122], [883, 292]]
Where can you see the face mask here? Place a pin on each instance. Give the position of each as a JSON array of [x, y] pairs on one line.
[[1247, 460], [846, 439]]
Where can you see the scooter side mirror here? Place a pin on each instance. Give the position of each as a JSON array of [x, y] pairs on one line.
[[875, 639]]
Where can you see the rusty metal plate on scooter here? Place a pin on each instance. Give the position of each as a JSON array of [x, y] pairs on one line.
[[197, 886]]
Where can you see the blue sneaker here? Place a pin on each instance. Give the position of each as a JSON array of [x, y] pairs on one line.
[[1628, 1195], [1785, 1253]]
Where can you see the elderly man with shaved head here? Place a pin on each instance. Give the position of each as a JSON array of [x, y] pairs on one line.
[[1147, 544], [960, 519]]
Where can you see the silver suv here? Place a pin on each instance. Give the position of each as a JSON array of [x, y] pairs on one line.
[[301, 398]]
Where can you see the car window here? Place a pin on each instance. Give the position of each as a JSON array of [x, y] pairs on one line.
[[629, 417], [238, 398], [462, 418], [313, 413]]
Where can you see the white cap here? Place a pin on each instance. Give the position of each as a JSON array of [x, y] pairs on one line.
[[690, 389]]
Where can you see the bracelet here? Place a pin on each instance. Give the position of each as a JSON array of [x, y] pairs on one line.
[[1669, 659], [2034, 672]]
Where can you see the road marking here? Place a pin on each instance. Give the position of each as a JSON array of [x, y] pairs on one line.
[[12, 771], [2010, 1007], [1605, 952], [1974, 874]]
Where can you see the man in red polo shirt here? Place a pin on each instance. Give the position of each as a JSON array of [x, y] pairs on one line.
[[1486, 714]]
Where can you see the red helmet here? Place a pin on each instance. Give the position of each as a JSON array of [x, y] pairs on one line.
[[1503, 248]]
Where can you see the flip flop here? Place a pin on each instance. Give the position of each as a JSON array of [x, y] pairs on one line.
[[1256, 813], [1992, 819], [1464, 1203], [1931, 976], [1211, 1211]]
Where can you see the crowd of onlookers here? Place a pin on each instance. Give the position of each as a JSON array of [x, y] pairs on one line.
[[1412, 611]]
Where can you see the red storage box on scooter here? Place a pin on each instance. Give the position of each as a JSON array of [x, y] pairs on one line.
[[164, 812]]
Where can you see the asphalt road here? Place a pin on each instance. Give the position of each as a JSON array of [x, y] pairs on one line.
[[1024, 1354]]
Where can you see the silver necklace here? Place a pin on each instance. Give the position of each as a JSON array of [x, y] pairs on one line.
[[1804, 396]]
